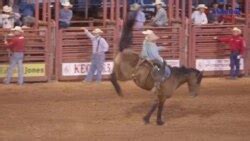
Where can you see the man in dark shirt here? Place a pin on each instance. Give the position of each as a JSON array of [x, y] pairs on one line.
[[16, 46]]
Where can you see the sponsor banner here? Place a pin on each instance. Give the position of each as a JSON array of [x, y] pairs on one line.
[[30, 70], [215, 64], [173, 63], [76, 69]]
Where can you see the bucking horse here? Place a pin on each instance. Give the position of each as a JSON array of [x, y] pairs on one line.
[[128, 65]]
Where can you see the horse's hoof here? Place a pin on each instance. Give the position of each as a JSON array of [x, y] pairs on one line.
[[146, 120], [160, 122], [120, 94]]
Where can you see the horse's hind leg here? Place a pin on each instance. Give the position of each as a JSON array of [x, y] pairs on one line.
[[116, 84], [151, 111], [162, 100]]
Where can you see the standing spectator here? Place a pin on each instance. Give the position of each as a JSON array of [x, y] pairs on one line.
[[8, 17], [99, 47], [215, 14], [28, 22], [65, 15], [140, 16], [199, 17], [237, 45], [160, 18], [16, 45], [27, 9]]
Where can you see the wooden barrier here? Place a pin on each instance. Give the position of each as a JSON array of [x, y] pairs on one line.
[[207, 54], [36, 60], [74, 53]]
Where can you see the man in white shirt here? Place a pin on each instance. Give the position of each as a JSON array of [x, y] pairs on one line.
[[8, 17], [199, 17], [99, 48]]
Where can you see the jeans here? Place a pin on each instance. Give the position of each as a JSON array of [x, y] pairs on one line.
[[63, 24], [234, 64], [16, 59], [96, 67]]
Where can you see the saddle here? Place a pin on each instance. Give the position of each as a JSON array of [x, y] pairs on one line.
[[161, 71]]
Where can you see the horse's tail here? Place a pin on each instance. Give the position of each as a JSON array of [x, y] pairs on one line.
[[127, 32], [115, 83]]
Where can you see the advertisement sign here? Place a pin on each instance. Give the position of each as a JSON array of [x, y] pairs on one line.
[[30, 70], [215, 64], [76, 69], [173, 63]]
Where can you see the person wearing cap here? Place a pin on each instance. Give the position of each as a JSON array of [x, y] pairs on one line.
[[16, 46], [150, 51], [160, 18], [140, 16], [66, 15], [199, 17], [8, 17], [215, 14], [99, 48], [237, 46]]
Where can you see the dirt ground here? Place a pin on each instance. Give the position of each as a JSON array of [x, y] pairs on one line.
[[75, 111]]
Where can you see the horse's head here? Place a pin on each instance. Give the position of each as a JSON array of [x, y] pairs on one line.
[[194, 81]]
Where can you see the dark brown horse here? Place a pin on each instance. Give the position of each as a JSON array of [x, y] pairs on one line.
[[129, 66]]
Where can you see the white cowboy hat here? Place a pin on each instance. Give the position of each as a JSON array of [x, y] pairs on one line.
[[150, 35], [237, 29], [201, 6], [157, 2], [7, 9], [17, 28], [135, 7], [97, 31], [67, 4]]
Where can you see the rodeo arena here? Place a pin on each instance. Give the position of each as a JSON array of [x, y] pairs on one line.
[[124, 70]]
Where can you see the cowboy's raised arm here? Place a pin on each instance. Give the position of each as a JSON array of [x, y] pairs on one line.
[[91, 36]]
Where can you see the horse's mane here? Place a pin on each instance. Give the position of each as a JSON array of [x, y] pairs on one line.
[[185, 71], [127, 31]]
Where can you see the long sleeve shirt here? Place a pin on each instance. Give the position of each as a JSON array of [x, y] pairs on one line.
[[140, 19], [161, 17], [236, 43], [65, 16], [99, 44], [8, 21], [150, 51], [199, 18], [16, 44]]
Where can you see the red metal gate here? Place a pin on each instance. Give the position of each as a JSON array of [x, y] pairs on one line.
[[74, 53], [208, 54], [36, 60]]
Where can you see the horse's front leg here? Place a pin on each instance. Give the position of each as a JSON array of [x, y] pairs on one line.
[[151, 111], [162, 100]]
